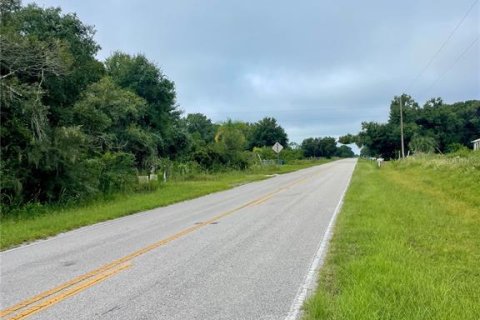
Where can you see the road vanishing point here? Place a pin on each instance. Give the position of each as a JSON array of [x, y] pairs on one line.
[[250, 252]]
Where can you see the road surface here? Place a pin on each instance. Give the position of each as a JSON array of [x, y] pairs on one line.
[[245, 253]]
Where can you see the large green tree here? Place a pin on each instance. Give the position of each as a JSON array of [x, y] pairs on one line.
[[267, 132], [138, 74], [379, 139], [109, 115], [42, 150], [328, 147], [52, 29]]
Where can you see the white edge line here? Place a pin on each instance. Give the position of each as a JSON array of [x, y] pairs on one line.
[[318, 260]]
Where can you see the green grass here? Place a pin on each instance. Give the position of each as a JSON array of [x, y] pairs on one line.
[[406, 244], [47, 221]]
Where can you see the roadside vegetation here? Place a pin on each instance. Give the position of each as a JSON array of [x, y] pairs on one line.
[[38, 221], [435, 127], [76, 129], [406, 244]]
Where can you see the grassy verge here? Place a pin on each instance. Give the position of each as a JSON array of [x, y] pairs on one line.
[[406, 244], [48, 221]]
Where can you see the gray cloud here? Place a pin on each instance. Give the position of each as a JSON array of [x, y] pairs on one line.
[[319, 67]]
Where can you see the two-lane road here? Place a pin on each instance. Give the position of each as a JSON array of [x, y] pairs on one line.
[[245, 253]]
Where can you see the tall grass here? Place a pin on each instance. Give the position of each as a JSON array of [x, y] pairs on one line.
[[406, 244]]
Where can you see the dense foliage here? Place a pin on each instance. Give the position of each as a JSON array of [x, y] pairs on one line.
[[325, 147], [73, 127], [266, 132], [435, 127]]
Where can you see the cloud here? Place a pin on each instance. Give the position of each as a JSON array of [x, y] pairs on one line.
[[292, 84], [319, 67]]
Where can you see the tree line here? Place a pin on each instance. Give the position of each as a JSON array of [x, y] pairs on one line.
[[435, 127], [73, 127]]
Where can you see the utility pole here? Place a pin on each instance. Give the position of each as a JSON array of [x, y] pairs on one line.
[[401, 128]]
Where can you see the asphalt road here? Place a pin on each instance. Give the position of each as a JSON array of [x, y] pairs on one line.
[[245, 253]]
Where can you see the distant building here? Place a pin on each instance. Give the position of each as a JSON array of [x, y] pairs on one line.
[[476, 144]]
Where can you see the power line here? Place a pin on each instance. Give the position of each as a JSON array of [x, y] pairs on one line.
[[464, 52], [443, 45], [453, 64], [431, 61]]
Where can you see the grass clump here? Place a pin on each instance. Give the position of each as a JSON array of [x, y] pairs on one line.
[[406, 244]]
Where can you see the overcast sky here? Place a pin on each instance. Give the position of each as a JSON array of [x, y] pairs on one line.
[[319, 67]]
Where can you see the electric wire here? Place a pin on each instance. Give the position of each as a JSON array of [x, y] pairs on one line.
[[450, 67], [442, 46]]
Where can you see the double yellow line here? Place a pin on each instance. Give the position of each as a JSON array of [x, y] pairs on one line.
[[50, 297]]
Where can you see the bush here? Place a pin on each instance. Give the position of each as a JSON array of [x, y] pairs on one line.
[[239, 160], [462, 152], [210, 158], [117, 173], [454, 147]]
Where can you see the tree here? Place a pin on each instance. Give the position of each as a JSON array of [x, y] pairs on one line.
[[344, 152], [231, 136], [310, 147], [319, 147], [449, 124], [143, 77], [435, 125], [198, 124], [33, 151], [230, 143], [379, 139], [105, 108], [348, 139], [267, 132], [66, 32], [180, 143], [147, 81], [327, 147], [109, 115], [410, 110]]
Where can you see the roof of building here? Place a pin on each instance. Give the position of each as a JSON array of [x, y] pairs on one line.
[[477, 140]]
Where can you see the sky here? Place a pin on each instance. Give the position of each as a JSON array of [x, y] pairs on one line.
[[319, 67]]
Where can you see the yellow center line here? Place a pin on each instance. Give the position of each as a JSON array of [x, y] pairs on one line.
[[70, 292], [89, 279]]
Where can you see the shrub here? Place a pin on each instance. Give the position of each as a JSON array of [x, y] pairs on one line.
[[117, 173]]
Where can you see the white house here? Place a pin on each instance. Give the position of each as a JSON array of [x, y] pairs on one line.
[[476, 144]]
